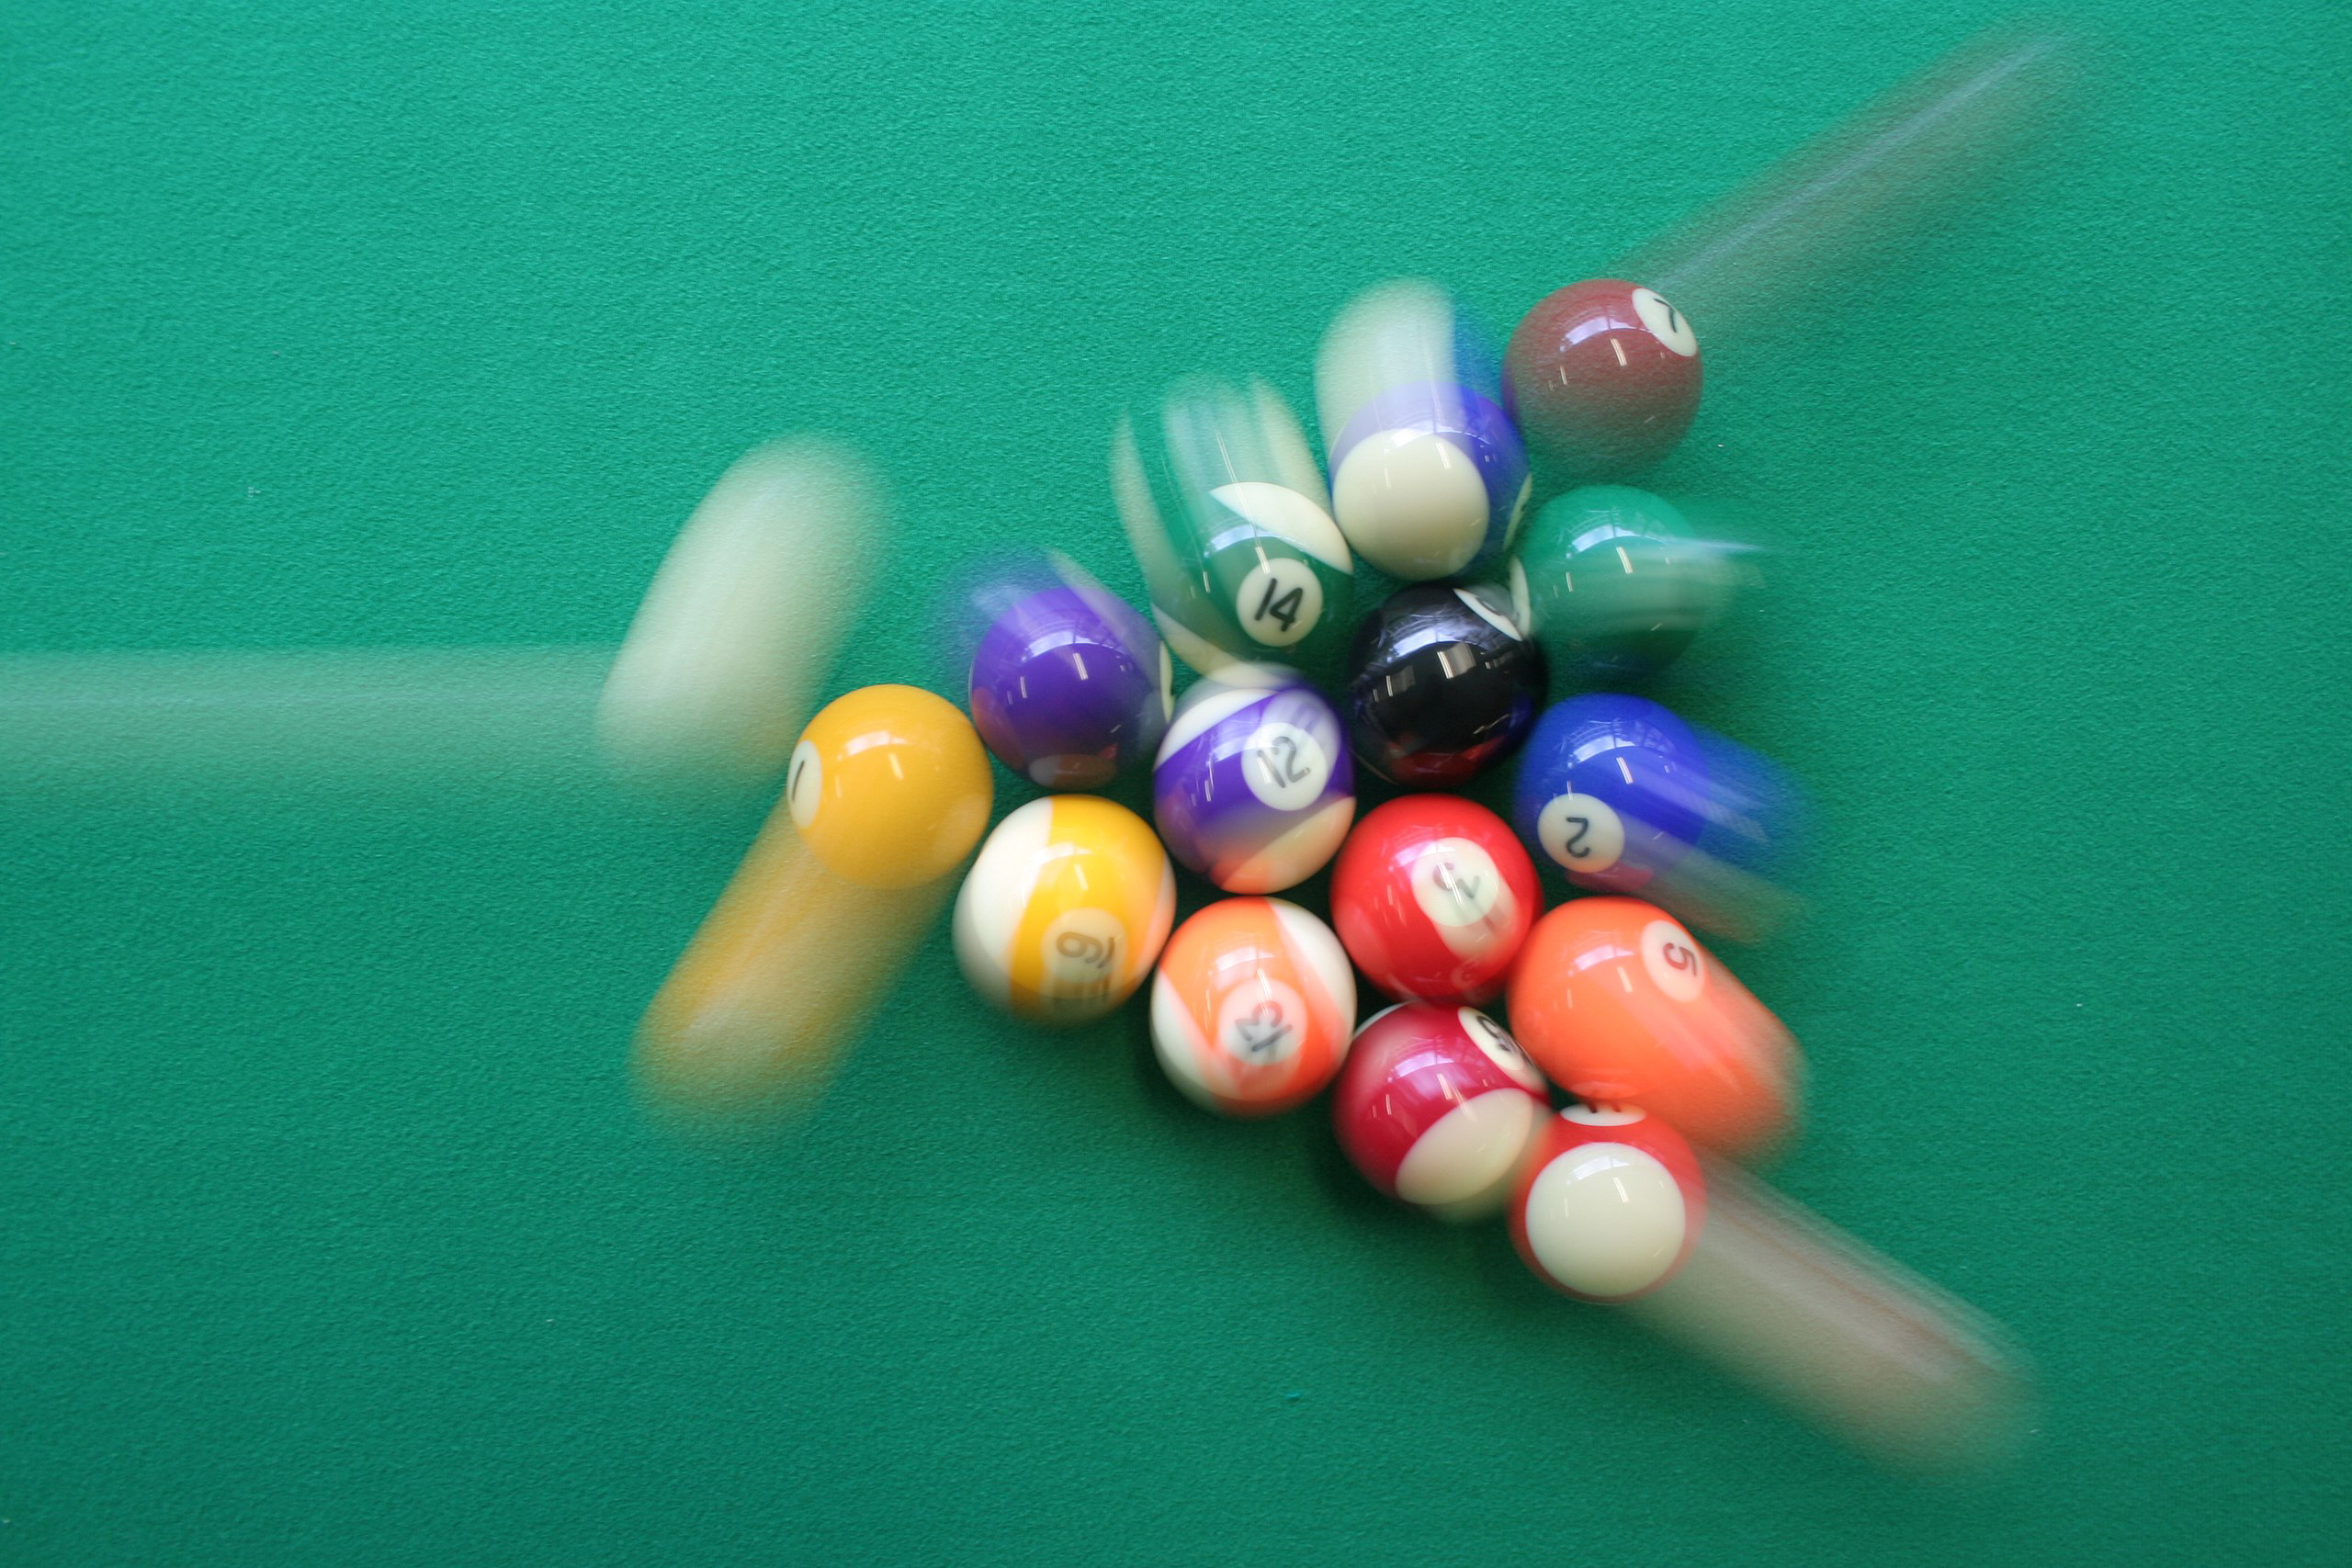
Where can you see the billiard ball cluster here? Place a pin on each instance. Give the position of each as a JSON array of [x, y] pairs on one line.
[[1437, 901], [1496, 490]]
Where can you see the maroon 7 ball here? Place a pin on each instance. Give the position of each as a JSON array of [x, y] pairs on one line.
[[1432, 896], [1603, 378]]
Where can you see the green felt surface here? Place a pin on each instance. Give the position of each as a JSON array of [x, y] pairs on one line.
[[329, 1231]]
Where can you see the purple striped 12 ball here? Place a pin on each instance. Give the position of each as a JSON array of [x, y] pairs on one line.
[[1254, 788], [1070, 684]]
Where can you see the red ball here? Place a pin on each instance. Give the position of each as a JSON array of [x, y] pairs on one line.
[[1611, 1204], [1603, 379], [1437, 1106], [1432, 896]]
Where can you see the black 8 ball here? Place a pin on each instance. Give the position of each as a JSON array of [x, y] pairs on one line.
[[1442, 681]]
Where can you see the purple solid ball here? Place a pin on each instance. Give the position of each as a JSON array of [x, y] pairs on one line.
[[1254, 788], [1069, 686]]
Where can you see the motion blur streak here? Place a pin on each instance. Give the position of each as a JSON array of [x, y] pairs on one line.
[[1880, 179], [1736, 881], [707, 692], [750, 1027], [721, 666], [348, 720], [1907, 1373], [1227, 511]]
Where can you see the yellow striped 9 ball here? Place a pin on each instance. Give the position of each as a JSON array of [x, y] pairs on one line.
[[1065, 911]]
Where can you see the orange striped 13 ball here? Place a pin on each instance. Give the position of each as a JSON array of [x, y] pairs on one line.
[[1251, 1011]]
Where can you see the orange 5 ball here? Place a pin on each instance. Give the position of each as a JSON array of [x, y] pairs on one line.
[[1616, 1002]]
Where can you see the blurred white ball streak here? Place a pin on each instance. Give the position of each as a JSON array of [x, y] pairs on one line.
[[1904, 1370], [705, 695], [722, 664]]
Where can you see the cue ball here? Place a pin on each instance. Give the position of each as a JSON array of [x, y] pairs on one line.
[[1616, 1001], [1253, 789], [1437, 1106], [1603, 378], [1442, 683], [1432, 896], [1611, 1204], [888, 786], [1252, 1008], [1061, 917]]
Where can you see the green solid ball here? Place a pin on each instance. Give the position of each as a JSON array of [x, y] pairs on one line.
[[1614, 582]]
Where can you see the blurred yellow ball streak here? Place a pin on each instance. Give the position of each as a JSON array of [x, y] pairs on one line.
[[753, 1022]]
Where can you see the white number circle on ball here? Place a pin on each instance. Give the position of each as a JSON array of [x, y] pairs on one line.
[[1675, 963], [1285, 766], [1582, 832], [1476, 603], [1666, 323], [1258, 1023], [1500, 1047], [1280, 600], [804, 784], [1456, 883], [1084, 952]]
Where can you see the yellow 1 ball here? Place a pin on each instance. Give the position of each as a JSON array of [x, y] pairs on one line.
[[890, 786], [1066, 910]]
